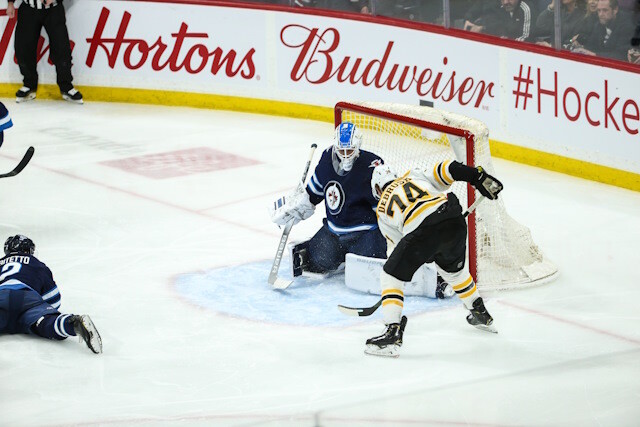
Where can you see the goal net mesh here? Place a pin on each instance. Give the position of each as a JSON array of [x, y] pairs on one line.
[[502, 253]]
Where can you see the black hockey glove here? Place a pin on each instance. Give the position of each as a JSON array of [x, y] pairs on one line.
[[487, 185]]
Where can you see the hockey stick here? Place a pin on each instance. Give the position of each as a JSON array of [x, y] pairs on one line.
[[275, 281], [368, 311], [23, 163]]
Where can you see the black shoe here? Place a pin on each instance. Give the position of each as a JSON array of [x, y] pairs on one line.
[[72, 95], [388, 343], [25, 94], [86, 330], [480, 318]]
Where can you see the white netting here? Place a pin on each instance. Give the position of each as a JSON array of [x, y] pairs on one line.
[[506, 256]]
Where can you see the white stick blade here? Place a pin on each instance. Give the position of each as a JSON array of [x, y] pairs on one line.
[[281, 283], [348, 310]]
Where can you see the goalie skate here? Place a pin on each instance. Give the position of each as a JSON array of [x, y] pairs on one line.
[[300, 265], [299, 258], [389, 343], [480, 318], [443, 289]]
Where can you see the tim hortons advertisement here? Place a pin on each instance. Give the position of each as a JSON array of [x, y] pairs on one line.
[[144, 45], [558, 106]]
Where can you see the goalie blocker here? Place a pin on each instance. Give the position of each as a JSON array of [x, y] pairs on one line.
[[362, 274]]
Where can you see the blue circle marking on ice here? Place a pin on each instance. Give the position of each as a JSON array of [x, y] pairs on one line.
[[243, 291]]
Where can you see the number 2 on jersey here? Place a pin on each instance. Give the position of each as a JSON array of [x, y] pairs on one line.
[[9, 269]]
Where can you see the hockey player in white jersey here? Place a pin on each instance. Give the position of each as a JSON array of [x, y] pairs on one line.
[[423, 224]]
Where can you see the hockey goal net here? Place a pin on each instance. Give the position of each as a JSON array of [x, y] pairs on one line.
[[502, 254]]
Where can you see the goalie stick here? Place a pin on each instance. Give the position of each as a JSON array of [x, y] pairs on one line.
[[23, 163], [368, 311], [275, 281]]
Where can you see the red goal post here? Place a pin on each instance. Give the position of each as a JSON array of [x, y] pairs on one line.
[[502, 254]]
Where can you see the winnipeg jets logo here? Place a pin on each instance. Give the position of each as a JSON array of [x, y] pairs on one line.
[[334, 197], [376, 162]]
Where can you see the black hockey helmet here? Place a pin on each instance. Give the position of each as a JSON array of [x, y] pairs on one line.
[[19, 244]]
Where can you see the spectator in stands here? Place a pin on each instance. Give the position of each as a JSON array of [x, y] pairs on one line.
[[383, 8], [571, 16], [404, 9], [356, 6], [611, 36], [633, 55], [482, 17], [590, 17], [635, 40], [516, 20], [457, 9]]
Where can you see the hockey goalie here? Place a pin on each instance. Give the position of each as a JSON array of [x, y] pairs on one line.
[[349, 238]]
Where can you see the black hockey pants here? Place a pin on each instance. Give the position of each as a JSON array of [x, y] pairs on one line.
[[441, 237]]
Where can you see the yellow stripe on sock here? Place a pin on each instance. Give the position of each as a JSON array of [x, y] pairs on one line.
[[469, 292], [463, 284], [392, 301]]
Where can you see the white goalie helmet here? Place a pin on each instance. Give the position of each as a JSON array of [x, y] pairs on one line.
[[346, 145], [382, 175]]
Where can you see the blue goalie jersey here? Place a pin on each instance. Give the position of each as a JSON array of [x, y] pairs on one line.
[[19, 271], [348, 199]]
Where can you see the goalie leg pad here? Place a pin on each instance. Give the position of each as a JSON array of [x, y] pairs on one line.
[[363, 274]]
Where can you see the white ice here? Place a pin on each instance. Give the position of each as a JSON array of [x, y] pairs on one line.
[[567, 353]]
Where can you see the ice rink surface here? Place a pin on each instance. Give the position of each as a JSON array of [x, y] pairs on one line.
[[154, 221]]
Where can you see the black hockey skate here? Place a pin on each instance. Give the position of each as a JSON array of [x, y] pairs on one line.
[[480, 318], [300, 258], [443, 289], [86, 330], [388, 343]]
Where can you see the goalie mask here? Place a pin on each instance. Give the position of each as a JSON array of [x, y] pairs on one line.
[[381, 177], [346, 146], [19, 244]]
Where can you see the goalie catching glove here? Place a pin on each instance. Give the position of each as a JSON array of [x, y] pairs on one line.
[[294, 207], [486, 184]]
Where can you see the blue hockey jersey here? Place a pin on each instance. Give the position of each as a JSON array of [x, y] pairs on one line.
[[19, 271], [5, 121], [348, 198]]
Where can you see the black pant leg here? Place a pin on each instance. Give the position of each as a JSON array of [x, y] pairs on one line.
[[26, 43], [55, 23], [325, 251]]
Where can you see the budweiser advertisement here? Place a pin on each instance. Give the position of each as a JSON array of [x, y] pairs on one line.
[[551, 104]]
